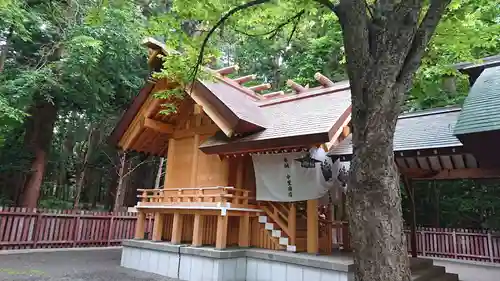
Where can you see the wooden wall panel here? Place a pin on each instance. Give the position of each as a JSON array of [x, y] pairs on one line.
[[187, 228], [233, 231], [249, 176], [209, 230], [181, 163], [212, 171], [167, 228]]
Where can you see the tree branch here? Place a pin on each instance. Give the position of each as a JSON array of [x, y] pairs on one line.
[[297, 20], [422, 37], [353, 19], [274, 31], [234, 10]]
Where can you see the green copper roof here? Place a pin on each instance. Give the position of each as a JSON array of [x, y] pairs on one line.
[[481, 109]]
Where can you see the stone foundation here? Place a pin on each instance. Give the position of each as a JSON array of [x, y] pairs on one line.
[[206, 264]]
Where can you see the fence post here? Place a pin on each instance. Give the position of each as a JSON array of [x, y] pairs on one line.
[[490, 247], [78, 229], [454, 236], [110, 233], [422, 236], [36, 231]]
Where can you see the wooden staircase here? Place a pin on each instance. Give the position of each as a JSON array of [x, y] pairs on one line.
[[280, 221], [287, 225], [425, 270]]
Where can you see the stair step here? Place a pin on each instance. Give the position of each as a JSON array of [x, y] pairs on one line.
[[446, 277], [283, 241], [276, 233], [269, 226], [428, 273], [420, 263], [262, 219]]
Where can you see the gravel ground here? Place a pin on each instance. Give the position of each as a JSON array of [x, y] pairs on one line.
[[91, 265]]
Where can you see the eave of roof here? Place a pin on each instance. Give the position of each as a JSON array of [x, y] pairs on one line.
[[421, 130], [129, 114]]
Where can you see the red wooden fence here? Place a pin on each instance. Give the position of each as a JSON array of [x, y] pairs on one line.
[[22, 228], [456, 243]]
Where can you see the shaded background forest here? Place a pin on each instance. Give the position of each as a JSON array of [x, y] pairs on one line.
[[68, 70]]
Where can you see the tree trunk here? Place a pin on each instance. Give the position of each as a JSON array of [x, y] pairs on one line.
[[114, 172], [39, 131], [67, 150], [5, 50], [93, 141], [374, 199], [437, 211], [121, 187], [158, 174]]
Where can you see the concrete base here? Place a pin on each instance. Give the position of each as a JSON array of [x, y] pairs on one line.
[[204, 263], [471, 270]]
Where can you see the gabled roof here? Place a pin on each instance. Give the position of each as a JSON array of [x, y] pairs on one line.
[[481, 109], [303, 119], [248, 120], [242, 113], [421, 130]]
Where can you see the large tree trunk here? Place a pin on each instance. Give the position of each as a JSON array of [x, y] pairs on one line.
[[374, 199], [39, 131], [384, 45]]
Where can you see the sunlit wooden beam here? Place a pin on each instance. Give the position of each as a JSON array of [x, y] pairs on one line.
[[295, 86], [273, 94], [158, 126], [323, 80], [228, 70], [260, 87], [244, 79], [134, 135]]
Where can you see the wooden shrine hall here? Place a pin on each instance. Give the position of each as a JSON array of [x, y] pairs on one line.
[[209, 194]]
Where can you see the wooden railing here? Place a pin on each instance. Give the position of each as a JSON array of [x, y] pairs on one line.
[[336, 235], [200, 196], [284, 215], [26, 228]]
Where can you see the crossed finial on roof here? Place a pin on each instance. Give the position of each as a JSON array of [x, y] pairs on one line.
[[296, 87]]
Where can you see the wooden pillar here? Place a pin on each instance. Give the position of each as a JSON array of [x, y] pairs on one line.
[[139, 225], [221, 238], [244, 231], [413, 219], [158, 226], [329, 227], [312, 226], [177, 229], [198, 230], [169, 173], [292, 223], [194, 165]]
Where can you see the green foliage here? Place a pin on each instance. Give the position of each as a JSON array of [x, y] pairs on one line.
[[456, 204], [469, 31]]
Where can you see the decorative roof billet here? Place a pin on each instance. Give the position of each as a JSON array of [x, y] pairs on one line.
[[421, 130]]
